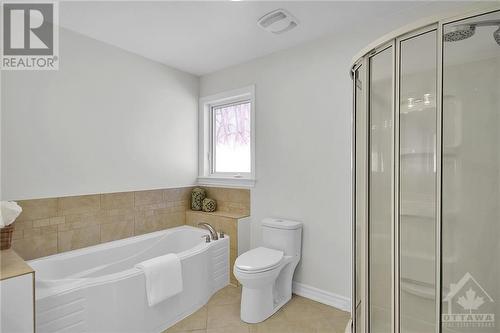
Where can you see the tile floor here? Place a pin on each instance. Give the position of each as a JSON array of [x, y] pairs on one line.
[[300, 315]]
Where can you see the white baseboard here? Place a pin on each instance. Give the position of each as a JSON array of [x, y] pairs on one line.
[[325, 297]]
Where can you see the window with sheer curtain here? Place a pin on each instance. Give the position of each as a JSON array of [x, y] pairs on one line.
[[230, 127], [227, 132]]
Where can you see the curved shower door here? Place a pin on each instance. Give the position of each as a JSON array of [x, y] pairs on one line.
[[427, 180], [380, 190], [373, 192], [360, 200], [417, 181], [471, 176]]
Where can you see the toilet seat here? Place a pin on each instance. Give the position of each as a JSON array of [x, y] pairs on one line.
[[258, 260]]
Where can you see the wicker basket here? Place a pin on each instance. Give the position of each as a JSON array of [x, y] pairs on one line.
[[6, 237]]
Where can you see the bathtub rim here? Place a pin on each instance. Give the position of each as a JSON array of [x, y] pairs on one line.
[[66, 285], [117, 243]]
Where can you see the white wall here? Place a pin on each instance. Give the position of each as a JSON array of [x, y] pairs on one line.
[[303, 126], [1, 136], [107, 121]]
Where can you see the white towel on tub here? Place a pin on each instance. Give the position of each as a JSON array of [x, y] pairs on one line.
[[163, 277]]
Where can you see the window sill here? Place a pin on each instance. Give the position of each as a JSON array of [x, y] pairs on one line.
[[226, 181]]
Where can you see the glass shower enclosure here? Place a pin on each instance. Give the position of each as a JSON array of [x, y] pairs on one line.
[[426, 187]]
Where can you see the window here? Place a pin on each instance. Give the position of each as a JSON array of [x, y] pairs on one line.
[[226, 154], [231, 151]]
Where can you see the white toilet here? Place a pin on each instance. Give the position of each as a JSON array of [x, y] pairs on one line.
[[266, 272]]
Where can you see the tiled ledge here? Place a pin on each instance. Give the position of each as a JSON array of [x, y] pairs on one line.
[[230, 200], [12, 265], [220, 213], [221, 220]]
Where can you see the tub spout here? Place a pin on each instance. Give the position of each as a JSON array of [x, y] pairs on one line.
[[211, 229]]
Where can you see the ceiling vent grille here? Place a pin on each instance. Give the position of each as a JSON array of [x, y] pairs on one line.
[[278, 21]]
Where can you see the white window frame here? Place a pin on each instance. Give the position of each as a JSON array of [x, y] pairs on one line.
[[206, 176]]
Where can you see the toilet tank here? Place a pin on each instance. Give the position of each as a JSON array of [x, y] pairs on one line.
[[281, 234]]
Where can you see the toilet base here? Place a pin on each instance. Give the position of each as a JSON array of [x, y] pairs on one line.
[[252, 314], [265, 293]]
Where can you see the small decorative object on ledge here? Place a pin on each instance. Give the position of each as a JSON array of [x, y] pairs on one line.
[[197, 196], [209, 205], [10, 210], [6, 237]]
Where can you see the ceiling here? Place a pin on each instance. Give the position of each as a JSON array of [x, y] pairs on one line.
[[203, 37]]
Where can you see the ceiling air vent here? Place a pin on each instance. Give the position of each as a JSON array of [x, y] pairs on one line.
[[278, 21]]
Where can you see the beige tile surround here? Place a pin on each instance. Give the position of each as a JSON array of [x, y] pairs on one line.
[[55, 225], [230, 200]]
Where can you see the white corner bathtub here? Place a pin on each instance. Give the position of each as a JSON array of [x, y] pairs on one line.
[[98, 289]]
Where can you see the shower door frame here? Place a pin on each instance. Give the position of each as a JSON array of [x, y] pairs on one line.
[[365, 303], [363, 62], [437, 156], [394, 40], [354, 304]]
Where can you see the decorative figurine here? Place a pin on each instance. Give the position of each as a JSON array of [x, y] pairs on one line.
[[209, 205], [197, 196]]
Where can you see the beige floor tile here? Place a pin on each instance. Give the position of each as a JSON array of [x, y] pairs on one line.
[[282, 326], [333, 324], [303, 309], [329, 310], [196, 321], [278, 316], [228, 295], [300, 315], [230, 329], [224, 315]]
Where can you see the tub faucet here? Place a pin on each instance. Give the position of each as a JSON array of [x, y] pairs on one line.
[[213, 233]]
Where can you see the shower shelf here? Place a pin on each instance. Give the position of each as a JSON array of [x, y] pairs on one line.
[[424, 210], [425, 291], [426, 257], [422, 110], [427, 217], [447, 152]]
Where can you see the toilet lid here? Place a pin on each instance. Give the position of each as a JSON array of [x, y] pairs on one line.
[[258, 259]]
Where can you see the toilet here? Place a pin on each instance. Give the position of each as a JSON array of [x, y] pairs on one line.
[[266, 272]]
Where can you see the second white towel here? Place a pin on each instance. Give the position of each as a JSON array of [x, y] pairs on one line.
[[163, 277]]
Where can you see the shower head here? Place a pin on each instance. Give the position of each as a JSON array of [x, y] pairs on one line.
[[460, 32], [464, 31]]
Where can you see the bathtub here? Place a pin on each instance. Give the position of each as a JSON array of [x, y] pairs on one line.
[[98, 289]]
